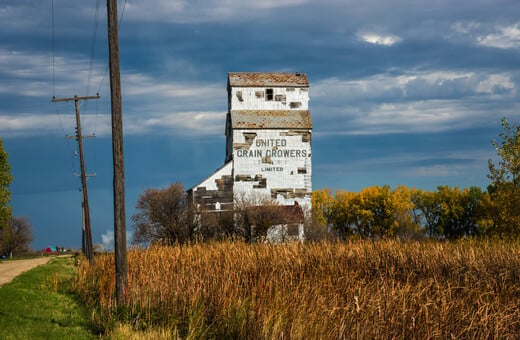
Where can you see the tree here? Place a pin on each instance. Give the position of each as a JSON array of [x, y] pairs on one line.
[[342, 216], [404, 224], [5, 195], [162, 216], [428, 211], [459, 211], [508, 168], [504, 189], [16, 237], [322, 205], [373, 212]]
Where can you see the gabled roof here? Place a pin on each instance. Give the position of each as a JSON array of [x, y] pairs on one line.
[[271, 119], [271, 79], [224, 170]]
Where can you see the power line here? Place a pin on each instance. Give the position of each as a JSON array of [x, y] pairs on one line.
[[53, 55], [93, 46], [53, 43], [118, 27]]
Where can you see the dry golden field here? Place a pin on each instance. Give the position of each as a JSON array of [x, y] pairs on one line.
[[357, 289]]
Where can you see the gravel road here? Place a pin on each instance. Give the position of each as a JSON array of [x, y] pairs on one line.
[[10, 269]]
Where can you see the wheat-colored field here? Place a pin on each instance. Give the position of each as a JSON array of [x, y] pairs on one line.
[[357, 289]]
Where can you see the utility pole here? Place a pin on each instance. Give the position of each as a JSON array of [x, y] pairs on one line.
[[117, 155], [87, 231]]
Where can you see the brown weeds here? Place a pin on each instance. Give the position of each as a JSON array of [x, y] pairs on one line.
[[358, 289]]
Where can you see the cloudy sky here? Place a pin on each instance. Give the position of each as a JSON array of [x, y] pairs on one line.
[[402, 92]]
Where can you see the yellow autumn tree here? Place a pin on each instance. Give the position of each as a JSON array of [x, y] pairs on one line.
[[404, 224], [344, 211], [322, 203]]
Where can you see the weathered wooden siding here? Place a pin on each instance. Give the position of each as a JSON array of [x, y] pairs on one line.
[[215, 192], [283, 98], [273, 163]]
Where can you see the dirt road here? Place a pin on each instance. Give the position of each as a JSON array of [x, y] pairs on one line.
[[10, 269]]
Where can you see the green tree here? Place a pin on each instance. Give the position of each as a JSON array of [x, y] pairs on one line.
[[5, 195], [504, 189], [459, 211], [428, 211]]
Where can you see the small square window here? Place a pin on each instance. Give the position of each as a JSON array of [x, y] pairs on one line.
[[269, 94]]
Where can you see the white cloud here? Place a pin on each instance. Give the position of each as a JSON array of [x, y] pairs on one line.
[[107, 240], [149, 103], [195, 122], [31, 74], [499, 36], [465, 27], [414, 102], [379, 39], [506, 37], [416, 85], [34, 124], [496, 84], [140, 84], [185, 11], [185, 123]]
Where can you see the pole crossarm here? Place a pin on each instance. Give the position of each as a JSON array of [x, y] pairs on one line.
[[57, 100], [82, 136]]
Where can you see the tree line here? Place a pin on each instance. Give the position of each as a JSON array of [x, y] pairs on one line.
[[375, 212], [448, 212]]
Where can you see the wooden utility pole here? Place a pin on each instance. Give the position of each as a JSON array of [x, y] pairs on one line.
[[117, 155], [87, 231]]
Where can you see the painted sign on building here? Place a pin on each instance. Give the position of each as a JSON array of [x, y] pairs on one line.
[[268, 144]]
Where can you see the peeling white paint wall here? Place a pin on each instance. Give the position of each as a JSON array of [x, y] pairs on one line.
[[280, 157], [254, 98]]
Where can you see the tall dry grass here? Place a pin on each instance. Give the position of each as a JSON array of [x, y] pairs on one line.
[[359, 289]]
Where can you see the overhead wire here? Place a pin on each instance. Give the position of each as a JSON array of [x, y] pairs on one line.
[[53, 53], [72, 152], [96, 20], [92, 56], [93, 46], [118, 27], [53, 42]]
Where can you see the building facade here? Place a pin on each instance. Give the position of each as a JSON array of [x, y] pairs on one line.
[[268, 145]]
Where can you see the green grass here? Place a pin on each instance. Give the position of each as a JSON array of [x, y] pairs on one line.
[[39, 304]]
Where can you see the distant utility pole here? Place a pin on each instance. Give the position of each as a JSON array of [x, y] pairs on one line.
[[117, 155], [87, 231]]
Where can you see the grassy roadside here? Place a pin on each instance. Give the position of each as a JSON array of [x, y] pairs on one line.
[[39, 305]]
